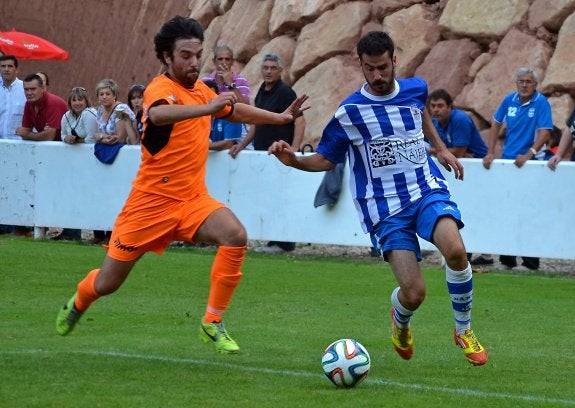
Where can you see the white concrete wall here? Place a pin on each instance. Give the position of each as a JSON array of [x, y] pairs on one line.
[[506, 210]]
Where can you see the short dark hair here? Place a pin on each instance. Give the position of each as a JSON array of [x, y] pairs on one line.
[[375, 43], [34, 77], [177, 28], [441, 94], [9, 57]]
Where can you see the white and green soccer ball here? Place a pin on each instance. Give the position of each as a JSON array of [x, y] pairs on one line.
[[345, 362]]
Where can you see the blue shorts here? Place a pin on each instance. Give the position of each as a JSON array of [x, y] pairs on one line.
[[400, 230]]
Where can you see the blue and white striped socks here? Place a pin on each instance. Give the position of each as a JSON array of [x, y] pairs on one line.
[[401, 314], [460, 287]]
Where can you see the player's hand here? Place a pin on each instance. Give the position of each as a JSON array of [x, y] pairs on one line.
[[283, 151], [553, 162], [224, 99], [487, 160], [449, 161], [296, 108]]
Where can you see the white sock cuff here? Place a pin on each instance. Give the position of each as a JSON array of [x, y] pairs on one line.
[[397, 304], [458, 276]]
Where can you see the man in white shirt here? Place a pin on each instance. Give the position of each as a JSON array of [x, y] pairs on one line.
[[12, 98]]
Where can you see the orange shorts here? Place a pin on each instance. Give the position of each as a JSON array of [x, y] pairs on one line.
[[150, 222]]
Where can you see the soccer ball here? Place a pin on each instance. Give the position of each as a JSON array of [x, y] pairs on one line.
[[345, 362]]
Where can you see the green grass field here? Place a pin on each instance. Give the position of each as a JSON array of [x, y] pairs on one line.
[[139, 347]]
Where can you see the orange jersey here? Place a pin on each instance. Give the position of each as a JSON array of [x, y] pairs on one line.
[[174, 156]]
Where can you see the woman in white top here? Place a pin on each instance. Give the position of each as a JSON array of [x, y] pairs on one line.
[[79, 124], [116, 121]]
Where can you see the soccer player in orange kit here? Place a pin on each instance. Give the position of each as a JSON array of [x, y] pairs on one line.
[[169, 200]]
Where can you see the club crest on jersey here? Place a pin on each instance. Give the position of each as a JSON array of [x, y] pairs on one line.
[[416, 113]]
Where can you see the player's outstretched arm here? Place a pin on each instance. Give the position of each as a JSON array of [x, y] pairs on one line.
[[250, 114], [315, 162], [166, 114]]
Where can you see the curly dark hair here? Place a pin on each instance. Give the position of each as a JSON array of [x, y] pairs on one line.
[[375, 43], [177, 28]]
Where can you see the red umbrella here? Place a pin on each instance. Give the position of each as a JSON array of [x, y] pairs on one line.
[[30, 47]]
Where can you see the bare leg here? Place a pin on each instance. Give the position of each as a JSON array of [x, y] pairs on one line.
[[408, 274], [448, 240], [112, 275], [222, 227]]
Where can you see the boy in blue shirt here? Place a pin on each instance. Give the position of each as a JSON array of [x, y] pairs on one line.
[[455, 128]]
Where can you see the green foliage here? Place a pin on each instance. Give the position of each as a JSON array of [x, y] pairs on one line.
[[139, 347]]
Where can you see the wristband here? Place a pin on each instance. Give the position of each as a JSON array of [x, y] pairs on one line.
[[532, 150]]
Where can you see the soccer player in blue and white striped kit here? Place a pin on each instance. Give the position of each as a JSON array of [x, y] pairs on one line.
[[398, 190]]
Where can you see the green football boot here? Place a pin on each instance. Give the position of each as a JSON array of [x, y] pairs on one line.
[[67, 317], [216, 333]]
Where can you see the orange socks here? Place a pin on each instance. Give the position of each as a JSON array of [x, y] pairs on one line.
[[225, 277], [86, 292]]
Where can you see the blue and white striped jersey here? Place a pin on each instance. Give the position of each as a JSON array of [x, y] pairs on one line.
[[383, 138]]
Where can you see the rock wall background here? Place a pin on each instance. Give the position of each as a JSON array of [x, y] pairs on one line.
[[469, 47]]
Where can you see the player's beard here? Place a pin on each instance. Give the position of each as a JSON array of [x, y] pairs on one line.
[[190, 78], [186, 78], [383, 88]]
